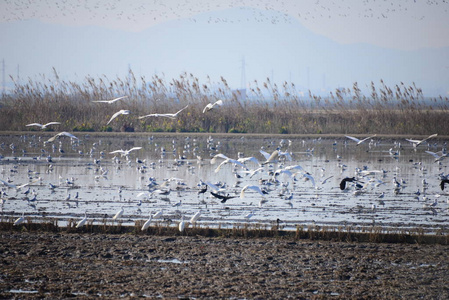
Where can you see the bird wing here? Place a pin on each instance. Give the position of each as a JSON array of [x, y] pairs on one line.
[[8, 184], [176, 114], [219, 155], [117, 151], [219, 103], [433, 154], [272, 157], [245, 159], [116, 115], [352, 138], [52, 123], [429, 137], [252, 187], [366, 139], [208, 107], [213, 186], [134, 148], [265, 154], [35, 124], [67, 134]]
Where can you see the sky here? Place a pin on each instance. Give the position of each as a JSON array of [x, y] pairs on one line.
[[407, 25]]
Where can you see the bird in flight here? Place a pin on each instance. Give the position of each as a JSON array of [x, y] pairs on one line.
[[359, 141], [125, 152], [171, 116], [57, 136], [110, 101], [120, 112], [416, 143], [43, 126], [210, 106]]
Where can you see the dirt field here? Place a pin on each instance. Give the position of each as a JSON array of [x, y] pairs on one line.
[[64, 265]]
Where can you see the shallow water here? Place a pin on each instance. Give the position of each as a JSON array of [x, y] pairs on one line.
[[100, 185]]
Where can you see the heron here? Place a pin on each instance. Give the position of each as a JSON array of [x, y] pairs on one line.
[[147, 223], [19, 220], [118, 214], [83, 221]]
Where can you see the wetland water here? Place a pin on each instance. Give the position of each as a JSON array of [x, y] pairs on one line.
[[88, 179]]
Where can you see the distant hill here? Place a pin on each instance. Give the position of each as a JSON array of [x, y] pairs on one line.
[[214, 44]]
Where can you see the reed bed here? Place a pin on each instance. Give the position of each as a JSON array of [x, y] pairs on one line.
[[255, 230], [262, 108]]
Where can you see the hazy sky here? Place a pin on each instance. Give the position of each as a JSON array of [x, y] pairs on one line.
[[406, 24]]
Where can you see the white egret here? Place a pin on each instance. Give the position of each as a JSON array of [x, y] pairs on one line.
[[147, 223], [83, 221], [120, 112], [182, 225], [210, 106], [359, 141], [43, 126], [19, 220], [171, 116], [195, 217], [158, 214], [110, 101], [249, 215]]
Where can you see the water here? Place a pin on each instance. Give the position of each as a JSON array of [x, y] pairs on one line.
[[100, 186]]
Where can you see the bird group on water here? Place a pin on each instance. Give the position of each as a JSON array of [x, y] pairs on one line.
[[267, 175]]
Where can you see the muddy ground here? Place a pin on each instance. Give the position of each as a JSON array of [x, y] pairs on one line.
[[64, 265]]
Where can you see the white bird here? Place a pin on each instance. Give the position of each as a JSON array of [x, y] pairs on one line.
[[359, 141], [171, 116], [195, 217], [249, 215], [439, 156], [158, 215], [251, 187], [19, 220], [111, 101], [43, 126], [416, 143], [82, 221], [182, 225], [147, 223], [210, 106], [125, 152], [118, 214], [230, 160], [63, 133], [120, 112]]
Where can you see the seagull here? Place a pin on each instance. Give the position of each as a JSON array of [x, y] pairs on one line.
[[110, 101], [120, 112], [252, 187], [125, 152], [359, 141], [171, 116], [210, 106], [439, 156], [230, 160], [44, 126], [57, 136], [416, 143]]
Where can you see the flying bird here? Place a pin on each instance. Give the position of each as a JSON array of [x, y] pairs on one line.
[[110, 101], [359, 141], [171, 116], [57, 136], [120, 112], [347, 179], [43, 126], [125, 152], [416, 143], [210, 106], [252, 187]]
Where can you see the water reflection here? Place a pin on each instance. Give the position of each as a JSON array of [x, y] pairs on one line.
[[78, 176]]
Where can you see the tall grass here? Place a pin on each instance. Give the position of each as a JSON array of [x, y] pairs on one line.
[[266, 107]]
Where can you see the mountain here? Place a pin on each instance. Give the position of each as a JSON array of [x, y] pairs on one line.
[[214, 43]]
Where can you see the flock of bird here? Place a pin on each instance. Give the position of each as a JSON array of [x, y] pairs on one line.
[[276, 175]]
